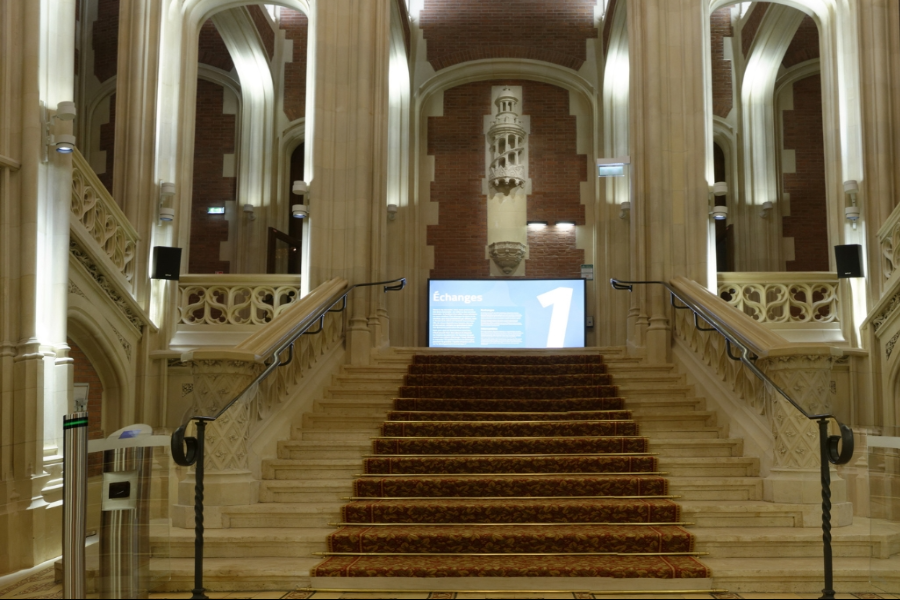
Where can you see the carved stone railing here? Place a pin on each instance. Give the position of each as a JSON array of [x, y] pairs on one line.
[[801, 306], [235, 299], [889, 239], [219, 374], [99, 226], [802, 369], [783, 297]]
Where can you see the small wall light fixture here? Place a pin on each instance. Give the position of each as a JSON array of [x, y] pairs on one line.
[[612, 167], [166, 190], [851, 213], [301, 210], [720, 188], [537, 224], [248, 209], [625, 210], [64, 143], [565, 224], [392, 211], [765, 209], [215, 210], [719, 213]]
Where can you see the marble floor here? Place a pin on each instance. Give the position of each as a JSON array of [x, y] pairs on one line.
[[39, 583]]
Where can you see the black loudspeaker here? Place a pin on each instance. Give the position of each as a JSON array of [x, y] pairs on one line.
[[849, 261], [166, 263]]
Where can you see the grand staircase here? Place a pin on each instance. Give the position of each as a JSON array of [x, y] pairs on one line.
[[372, 455]]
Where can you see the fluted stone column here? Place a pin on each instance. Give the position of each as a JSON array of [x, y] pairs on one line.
[[795, 474], [349, 159], [36, 57], [227, 479], [669, 218]]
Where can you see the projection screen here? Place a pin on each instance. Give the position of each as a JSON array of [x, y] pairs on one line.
[[519, 313]]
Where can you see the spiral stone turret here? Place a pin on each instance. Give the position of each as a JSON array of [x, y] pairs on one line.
[[508, 137]]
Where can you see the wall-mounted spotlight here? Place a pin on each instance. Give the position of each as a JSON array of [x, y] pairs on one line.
[[565, 224], [537, 224], [300, 211], [392, 211], [720, 188], [765, 209], [851, 213], [625, 210], [166, 190], [719, 213], [248, 210], [64, 143], [612, 167]]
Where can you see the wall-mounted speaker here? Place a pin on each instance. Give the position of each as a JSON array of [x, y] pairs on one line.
[[166, 263], [849, 261]]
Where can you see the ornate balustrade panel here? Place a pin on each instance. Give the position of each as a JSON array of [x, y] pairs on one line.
[[94, 210], [783, 297], [235, 299], [219, 374], [801, 369], [889, 238]]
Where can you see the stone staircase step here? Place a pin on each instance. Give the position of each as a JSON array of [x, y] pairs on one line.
[[696, 448], [294, 449], [305, 490], [738, 514], [789, 542], [709, 466], [233, 574], [716, 488], [650, 421], [334, 434], [246, 542], [802, 575], [281, 515]]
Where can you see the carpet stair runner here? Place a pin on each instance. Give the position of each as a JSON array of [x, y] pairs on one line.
[[510, 466]]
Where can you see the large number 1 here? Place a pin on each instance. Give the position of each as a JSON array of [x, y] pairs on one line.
[[561, 299]]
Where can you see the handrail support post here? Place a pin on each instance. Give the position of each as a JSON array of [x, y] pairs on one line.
[[828, 591], [198, 591]]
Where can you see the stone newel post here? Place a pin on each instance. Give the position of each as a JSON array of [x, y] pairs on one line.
[[795, 475], [228, 480]]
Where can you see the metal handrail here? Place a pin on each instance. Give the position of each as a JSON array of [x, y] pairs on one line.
[[828, 445], [187, 451]]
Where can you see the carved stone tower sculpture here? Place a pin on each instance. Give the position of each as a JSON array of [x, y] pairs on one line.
[[507, 183]]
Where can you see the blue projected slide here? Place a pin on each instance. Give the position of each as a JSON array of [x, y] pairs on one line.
[[525, 313]]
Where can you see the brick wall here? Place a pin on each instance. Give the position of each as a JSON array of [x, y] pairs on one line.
[[805, 44], [748, 32], [456, 140], [296, 27], [808, 221], [607, 24], [212, 50], [462, 30], [85, 373], [105, 40], [264, 28], [213, 138], [720, 28], [108, 144]]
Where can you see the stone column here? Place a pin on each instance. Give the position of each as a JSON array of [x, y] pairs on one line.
[[227, 480], [669, 217], [349, 157], [36, 57], [795, 474]]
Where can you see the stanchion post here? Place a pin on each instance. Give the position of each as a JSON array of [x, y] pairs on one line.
[[75, 445]]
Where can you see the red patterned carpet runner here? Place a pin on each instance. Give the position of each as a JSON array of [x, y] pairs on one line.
[[510, 466]]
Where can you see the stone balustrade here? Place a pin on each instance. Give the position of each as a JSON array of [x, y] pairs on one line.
[[801, 369], [783, 297], [220, 374], [99, 226], [235, 299]]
